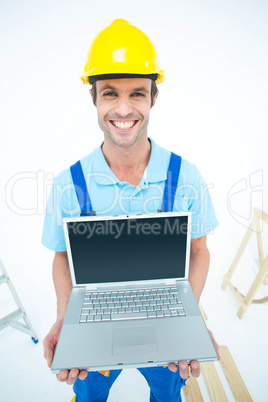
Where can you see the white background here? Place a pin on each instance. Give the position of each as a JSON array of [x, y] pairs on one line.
[[212, 110]]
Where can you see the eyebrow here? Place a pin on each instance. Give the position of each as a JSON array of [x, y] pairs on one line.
[[106, 87], [139, 89]]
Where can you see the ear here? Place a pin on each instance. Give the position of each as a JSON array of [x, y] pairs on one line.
[[90, 91], [156, 95]]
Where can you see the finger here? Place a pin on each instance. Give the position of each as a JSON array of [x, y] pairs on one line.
[[73, 374], [63, 375], [48, 352], [195, 368], [82, 375], [215, 344], [173, 367], [184, 370]]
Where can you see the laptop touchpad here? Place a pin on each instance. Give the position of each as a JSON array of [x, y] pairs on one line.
[[133, 340]]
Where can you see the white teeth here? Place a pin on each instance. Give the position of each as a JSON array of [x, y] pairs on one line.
[[123, 126]]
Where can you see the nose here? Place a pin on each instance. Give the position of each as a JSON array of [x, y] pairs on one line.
[[123, 106]]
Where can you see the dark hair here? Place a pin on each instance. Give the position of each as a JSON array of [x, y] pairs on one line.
[[154, 90]]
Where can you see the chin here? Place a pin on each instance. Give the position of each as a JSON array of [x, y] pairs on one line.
[[123, 140]]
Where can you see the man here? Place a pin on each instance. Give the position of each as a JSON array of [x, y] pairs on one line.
[[126, 174]]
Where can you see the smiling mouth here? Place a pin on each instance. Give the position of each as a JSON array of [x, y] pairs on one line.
[[123, 125]]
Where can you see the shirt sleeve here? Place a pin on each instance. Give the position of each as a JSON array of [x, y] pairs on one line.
[[193, 195], [61, 203]]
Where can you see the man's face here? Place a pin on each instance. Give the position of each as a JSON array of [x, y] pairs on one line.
[[123, 107]]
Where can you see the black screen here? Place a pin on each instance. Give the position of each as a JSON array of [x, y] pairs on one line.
[[128, 250]]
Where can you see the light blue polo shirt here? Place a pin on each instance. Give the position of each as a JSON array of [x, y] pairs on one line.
[[110, 196]]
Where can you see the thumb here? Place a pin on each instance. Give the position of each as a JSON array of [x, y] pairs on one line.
[[49, 352]]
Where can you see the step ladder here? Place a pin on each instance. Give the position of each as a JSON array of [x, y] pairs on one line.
[[13, 318]]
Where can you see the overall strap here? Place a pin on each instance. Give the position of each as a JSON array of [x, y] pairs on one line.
[[171, 183], [81, 189]]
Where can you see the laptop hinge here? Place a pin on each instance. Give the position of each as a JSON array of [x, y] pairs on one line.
[[91, 287], [169, 282]]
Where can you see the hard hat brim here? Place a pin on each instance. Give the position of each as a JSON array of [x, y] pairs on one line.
[[95, 78], [90, 79]]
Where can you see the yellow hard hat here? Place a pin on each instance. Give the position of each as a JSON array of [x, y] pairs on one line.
[[122, 50]]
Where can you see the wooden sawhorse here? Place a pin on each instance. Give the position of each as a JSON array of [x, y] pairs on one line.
[[261, 277], [214, 386], [212, 380]]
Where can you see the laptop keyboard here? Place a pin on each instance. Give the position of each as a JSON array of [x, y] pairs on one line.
[[131, 304]]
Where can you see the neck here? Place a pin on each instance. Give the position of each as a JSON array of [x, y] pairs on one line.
[[128, 163]]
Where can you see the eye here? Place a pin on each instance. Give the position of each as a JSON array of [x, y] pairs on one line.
[[138, 94], [109, 93]]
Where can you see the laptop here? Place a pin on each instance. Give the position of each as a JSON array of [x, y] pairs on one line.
[[131, 304]]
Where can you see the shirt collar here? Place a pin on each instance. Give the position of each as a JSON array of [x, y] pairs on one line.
[[156, 169]]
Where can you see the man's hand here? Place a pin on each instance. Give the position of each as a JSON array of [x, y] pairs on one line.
[[194, 365], [49, 344]]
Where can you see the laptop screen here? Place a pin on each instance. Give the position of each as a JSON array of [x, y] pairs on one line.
[[121, 250]]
